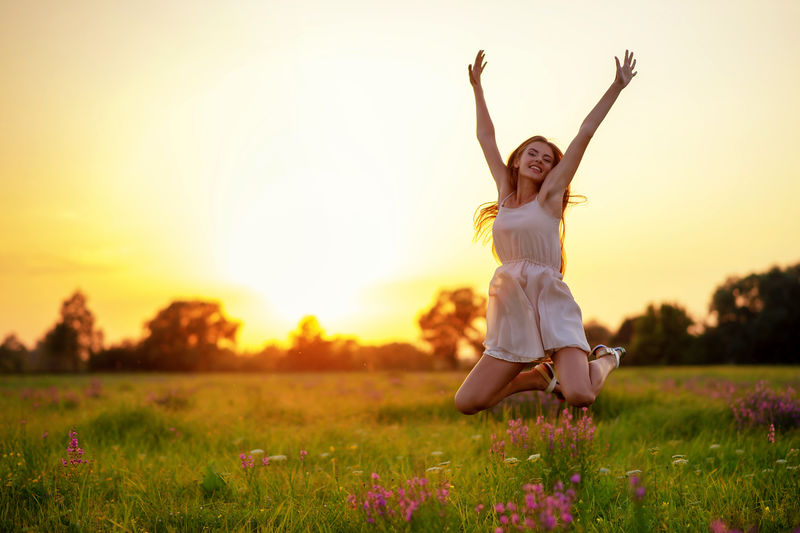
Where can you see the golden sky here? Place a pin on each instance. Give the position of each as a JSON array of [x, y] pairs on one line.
[[293, 158]]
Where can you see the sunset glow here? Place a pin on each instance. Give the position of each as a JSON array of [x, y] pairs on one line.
[[296, 159]]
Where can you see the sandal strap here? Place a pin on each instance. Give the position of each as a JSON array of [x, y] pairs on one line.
[[550, 376], [600, 350]]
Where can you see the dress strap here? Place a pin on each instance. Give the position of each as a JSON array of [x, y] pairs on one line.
[[506, 198]]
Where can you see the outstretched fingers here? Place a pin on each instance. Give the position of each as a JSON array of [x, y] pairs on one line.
[[625, 72], [476, 69]]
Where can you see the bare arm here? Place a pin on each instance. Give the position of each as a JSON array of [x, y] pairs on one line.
[[561, 176], [485, 128]]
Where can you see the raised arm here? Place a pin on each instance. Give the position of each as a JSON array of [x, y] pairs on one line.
[[485, 128], [560, 177]]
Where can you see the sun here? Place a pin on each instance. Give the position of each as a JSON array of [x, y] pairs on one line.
[[295, 284], [314, 264]]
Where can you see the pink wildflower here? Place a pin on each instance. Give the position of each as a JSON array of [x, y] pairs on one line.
[[73, 450], [247, 462]]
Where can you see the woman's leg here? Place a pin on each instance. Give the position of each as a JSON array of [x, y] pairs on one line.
[[493, 379], [581, 380]]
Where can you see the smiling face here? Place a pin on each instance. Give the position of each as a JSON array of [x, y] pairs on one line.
[[535, 161]]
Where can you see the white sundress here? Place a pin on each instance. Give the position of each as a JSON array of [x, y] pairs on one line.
[[531, 312]]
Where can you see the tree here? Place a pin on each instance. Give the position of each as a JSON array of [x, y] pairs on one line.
[[68, 346], [121, 357], [395, 356], [757, 318], [661, 336], [452, 323], [12, 355], [597, 333], [188, 335], [624, 334], [310, 350]]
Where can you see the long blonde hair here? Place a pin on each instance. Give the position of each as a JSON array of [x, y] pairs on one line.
[[487, 212]]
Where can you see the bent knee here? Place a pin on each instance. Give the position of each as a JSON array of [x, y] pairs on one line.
[[579, 398], [468, 404]]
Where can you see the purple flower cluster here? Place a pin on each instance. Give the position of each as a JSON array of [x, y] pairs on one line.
[[568, 434], [383, 503], [517, 433], [538, 511], [247, 461], [47, 397], [94, 390], [74, 452], [498, 446], [637, 488], [763, 407]]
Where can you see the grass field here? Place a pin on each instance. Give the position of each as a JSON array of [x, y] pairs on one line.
[[661, 449]]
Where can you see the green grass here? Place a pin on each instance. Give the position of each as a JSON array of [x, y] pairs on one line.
[[151, 440]]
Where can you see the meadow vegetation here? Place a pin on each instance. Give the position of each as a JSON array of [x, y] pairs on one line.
[[664, 449]]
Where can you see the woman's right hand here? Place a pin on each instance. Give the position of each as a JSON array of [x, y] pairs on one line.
[[476, 69]]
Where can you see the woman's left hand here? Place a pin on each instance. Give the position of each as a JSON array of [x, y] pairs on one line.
[[625, 71]]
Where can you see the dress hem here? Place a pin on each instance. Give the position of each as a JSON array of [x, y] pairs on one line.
[[514, 358]]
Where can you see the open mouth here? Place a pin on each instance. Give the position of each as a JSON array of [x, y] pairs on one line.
[[535, 168]]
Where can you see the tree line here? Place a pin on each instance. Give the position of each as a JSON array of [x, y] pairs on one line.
[[752, 319]]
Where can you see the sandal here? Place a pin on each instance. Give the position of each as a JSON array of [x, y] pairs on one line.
[[600, 350], [549, 376]]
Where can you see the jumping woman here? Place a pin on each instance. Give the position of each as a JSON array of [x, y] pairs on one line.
[[531, 315]]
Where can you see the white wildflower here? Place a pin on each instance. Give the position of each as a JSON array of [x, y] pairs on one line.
[[603, 470], [780, 462], [275, 458], [739, 451], [324, 454], [437, 453], [357, 472], [256, 451], [680, 461], [767, 471], [714, 447], [444, 463], [534, 457], [477, 436], [630, 473], [679, 456], [511, 460], [434, 469]]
